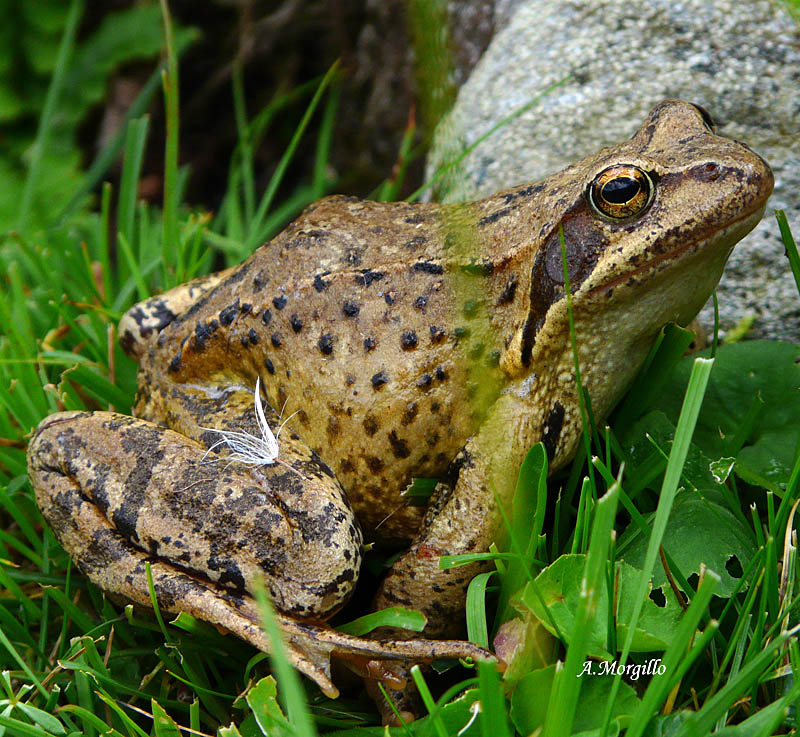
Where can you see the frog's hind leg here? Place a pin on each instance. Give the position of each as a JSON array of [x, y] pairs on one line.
[[121, 493]]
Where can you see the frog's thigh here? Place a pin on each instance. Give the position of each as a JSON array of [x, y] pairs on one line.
[[221, 522]]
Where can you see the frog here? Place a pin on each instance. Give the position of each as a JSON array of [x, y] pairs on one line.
[[406, 340]]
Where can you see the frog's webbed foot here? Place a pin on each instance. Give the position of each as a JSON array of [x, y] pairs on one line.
[[142, 323], [310, 647]]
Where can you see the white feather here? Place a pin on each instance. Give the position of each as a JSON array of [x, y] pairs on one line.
[[250, 449]]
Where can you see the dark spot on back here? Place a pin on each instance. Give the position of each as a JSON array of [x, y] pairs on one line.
[[374, 464], [410, 414], [270, 366], [369, 343], [371, 425], [421, 302], [379, 379], [333, 427], [426, 267], [367, 276], [229, 314], [276, 340], [424, 381], [399, 446], [279, 302], [266, 318], [408, 340], [415, 242], [296, 323], [509, 291], [319, 283], [437, 334], [494, 217], [325, 344], [253, 336], [350, 308]]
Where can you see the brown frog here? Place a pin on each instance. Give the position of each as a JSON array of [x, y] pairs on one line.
[[411, 340]]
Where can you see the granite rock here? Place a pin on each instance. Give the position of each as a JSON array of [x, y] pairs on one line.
[[602, 66]]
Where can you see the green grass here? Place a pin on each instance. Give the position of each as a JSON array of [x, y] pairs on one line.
[[72, 662]]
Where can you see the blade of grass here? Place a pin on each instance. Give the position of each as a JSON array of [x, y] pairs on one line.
[[292, 695], [567, 684], [135, 138], [476, 609], [245, 148], [703, 721], [790, 245], [47, 119], [110, 152], [428, 701], [170, 245], [695, 391], [494, 719], [255, 235]]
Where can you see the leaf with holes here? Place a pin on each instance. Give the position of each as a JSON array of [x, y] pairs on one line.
[[698, 531], [750, 409], [559, 587]]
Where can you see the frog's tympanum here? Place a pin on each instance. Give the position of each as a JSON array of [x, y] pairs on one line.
[[382, 331]]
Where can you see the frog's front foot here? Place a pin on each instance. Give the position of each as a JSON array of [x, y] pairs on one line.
[[122, 493]]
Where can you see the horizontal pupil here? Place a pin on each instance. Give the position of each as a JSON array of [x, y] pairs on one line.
[[620, 190]]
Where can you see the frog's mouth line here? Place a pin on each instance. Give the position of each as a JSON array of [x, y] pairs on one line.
[[745, 223]]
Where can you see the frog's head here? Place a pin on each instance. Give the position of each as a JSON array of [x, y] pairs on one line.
[[647, 227]]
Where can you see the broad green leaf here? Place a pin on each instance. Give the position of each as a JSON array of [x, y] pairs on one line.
[[263, 701], [699, 531], [750, 409], [532, 694], [559, 586]]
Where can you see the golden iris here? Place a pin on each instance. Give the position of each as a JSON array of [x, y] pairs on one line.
[[621, 192]]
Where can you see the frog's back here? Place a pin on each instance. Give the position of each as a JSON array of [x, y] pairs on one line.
[[365, 340]]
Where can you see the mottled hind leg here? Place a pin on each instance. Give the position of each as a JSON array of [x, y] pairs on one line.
[[120, 492]]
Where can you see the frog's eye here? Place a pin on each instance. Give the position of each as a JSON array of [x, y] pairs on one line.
[[708, 121], [621, 192]]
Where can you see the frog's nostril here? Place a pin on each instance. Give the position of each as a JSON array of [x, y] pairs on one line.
[[707, 172]]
